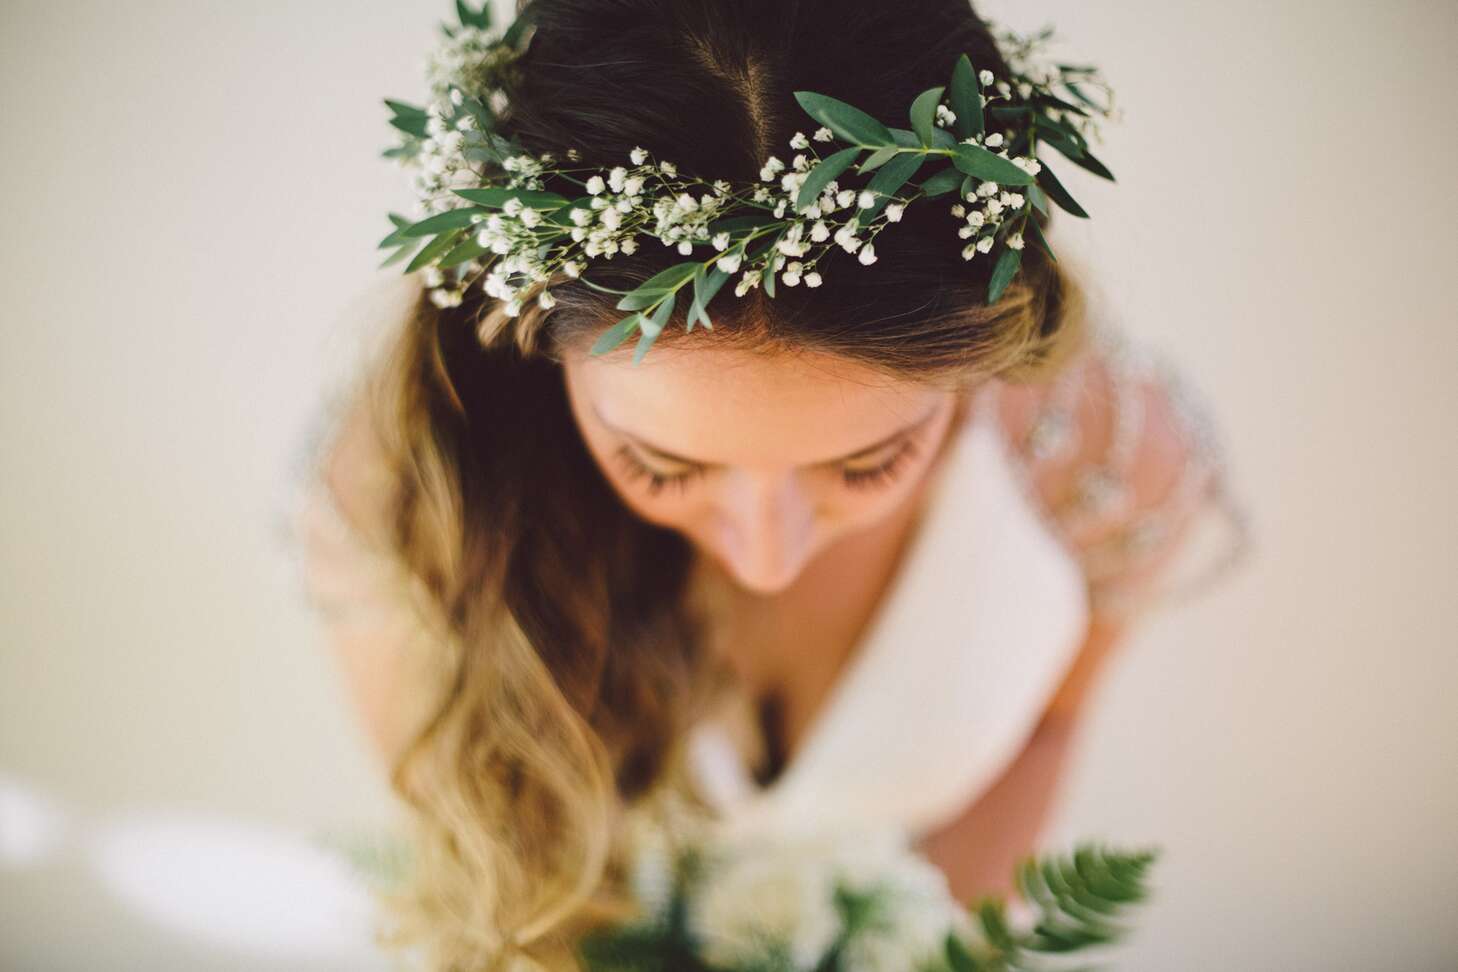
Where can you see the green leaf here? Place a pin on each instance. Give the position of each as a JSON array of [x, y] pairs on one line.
[[1077, 92], [847, 123], [978, 161], [1039, 199], [396, 237], [1036, 233], [958, 955], [1053, 101], [994, 923], [706, 285], [434, 248], [653, 326], [649, 291], [1055, 139], [877, 159], [450, 219], [659, 318], [467, 249], [824, 172], [1008, 113], [966, 99], [1086, 161], [888, 180], [924, 113], [1050, 184], [942, 182], [495, 197], [1002, 274], [645, 341], [401, 253], [1045, 122], [410, 126], [616, 334]]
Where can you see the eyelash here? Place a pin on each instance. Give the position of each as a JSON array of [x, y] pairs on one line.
[[878, 476]]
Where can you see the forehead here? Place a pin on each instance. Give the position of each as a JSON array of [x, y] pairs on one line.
[[748, 408]]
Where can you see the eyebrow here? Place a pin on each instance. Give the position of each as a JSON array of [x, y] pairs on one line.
[[684, 460]]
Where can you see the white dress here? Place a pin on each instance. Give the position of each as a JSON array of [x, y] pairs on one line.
[[1023, 538]]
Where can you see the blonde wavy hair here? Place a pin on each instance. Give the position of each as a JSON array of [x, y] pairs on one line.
[[566, 661]]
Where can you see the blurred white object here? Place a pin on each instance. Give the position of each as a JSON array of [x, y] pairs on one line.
[[241, 886]]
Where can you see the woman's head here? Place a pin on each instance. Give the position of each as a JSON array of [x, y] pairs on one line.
[[571, 661]]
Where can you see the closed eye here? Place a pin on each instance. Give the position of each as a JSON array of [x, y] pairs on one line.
[[879, 476]]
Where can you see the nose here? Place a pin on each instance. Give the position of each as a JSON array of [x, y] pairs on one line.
[[765, 529]]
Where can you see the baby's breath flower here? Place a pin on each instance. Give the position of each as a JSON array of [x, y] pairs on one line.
[[867, 256], [572, 269], [799, 141], [993, 140], [984, 244], [984, 76], [771, 168], [748, 279], [819, 232], [595, 185], [638, 156], [545, 299], [866, 199], [823, 134], [969, 251], [729, 263], [847, 239], [845, 197], [1015, 241], [668, 168], [959, 210], [893, 212], [720, 241], [812, 279]]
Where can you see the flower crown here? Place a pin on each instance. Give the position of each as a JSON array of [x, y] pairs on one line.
[[484, 210]]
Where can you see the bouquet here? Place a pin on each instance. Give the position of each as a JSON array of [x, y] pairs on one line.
[[855, 902]]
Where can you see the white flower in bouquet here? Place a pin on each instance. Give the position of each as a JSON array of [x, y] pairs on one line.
[[769, 894], [915, 907], [766, 899]]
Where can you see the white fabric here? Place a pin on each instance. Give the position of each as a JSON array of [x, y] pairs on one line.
[[960, 661]]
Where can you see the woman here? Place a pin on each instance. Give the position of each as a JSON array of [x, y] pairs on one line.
[[856, 553]]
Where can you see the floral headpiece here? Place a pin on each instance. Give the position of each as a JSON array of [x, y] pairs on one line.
[[485, 212]]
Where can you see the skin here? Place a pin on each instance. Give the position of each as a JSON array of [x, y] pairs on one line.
[[803, 555], [767, 500]]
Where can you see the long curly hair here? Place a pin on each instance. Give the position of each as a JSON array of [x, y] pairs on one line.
[[567, 660]]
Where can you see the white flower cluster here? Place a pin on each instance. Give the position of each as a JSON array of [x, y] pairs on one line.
[[766, 896]]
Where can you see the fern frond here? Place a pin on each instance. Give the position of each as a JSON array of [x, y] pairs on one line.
[[1076, 899]]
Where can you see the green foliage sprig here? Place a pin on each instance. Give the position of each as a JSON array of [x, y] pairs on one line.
[[486, 213], [1077, 901]]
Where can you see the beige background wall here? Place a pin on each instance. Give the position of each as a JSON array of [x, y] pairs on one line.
[[190, 199]]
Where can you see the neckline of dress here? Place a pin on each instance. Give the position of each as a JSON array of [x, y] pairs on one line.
[[932, 515]]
